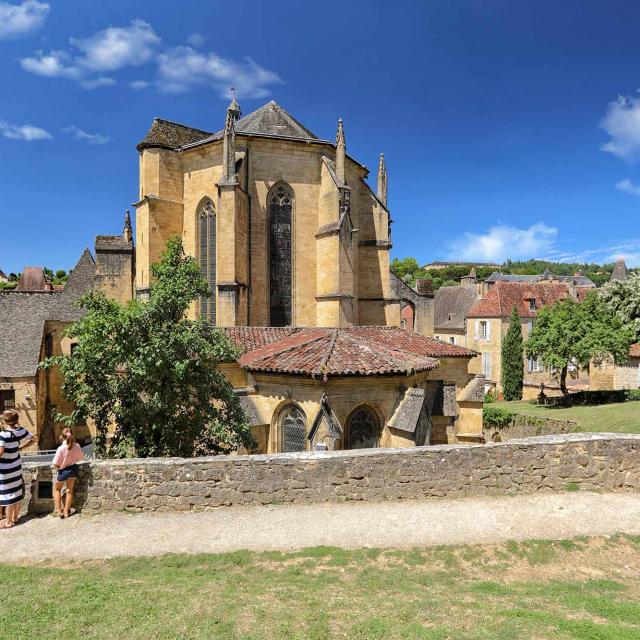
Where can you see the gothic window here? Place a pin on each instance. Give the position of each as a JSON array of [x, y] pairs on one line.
[[363, 429], [280, 202], [207, 257], [293, 428]]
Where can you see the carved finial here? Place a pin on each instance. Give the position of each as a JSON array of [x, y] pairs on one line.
[[127, 233], [382, 180], [234, 108], [340, 152]]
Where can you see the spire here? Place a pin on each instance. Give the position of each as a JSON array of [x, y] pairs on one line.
[[127, 232], [341, 148], [619, 271], [382, 180], [229, 140]]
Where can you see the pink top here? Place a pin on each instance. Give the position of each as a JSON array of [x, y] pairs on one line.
[[65, 458]]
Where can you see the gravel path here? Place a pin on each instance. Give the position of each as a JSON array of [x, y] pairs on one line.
[[349, 525]]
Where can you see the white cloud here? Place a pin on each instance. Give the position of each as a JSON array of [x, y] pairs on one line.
[[91, 138], [504, 241], [628, 186], [183, 68], [26, 132], [622, 123], [21, 19], [196, 39], [139, 84], [108, 50]]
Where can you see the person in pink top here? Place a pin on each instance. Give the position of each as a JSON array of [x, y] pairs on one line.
[[66, 461]]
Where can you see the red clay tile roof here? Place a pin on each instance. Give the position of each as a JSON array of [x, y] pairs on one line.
[[503, 296], [348, 351], [634, 350]]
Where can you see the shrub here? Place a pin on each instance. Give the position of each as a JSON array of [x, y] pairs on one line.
[[496, 416], [488, 398], [633, 394]]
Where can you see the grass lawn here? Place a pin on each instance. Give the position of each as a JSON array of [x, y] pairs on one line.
[[623, 417], [587, 589]]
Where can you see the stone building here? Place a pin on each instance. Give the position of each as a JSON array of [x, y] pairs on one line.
[[488, 322], [33, 319], [452, 304], [283, 223], [608, 375]]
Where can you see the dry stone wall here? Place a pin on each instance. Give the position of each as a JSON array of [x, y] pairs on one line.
[[607, 462]]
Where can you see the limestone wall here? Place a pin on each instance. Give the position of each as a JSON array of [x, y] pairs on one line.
[[609, 462]]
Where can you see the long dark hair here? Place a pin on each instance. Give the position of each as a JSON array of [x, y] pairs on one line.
[[67, 437]]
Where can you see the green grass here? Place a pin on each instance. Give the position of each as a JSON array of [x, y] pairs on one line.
[[619, 417], [585, 589]]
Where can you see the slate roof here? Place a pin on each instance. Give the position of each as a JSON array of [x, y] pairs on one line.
[[503, 296], [407, 414], [113, 243], [581, 281], [452, 305], [270, 120], [323, 352], [23, 315]]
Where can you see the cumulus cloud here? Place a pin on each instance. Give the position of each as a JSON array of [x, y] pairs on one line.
[[622, 123], [139, 84], [26, 132], [628, 186], [504, 241], [89, 58], [21, 19], [91, 138], [183, 68]]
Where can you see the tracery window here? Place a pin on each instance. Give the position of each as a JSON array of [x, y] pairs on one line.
[[207, 257], [293, 428], [363, 429], [280, 202]]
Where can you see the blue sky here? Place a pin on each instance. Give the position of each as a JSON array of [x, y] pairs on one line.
[[510, 128]]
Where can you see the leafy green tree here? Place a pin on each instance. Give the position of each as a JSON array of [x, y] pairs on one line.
[[151, 373], [408, 270], [512, 359], [575, 333], [623, 298]]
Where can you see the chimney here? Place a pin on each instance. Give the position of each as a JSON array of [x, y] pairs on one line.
[[469, 280], [424, 286]]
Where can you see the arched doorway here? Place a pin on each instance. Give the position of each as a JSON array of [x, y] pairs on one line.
[[363, 429]]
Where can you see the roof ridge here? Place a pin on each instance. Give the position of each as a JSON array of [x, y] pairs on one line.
[[325, 359], [180, 124]]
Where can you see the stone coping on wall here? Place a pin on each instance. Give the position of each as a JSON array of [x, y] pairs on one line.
[[592, 461]]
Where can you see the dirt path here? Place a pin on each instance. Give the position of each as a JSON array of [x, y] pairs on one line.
[[349, 525]]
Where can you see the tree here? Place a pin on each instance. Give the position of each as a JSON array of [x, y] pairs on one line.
[[151, 373], [570, 332], [623, 298], [408, 270], [512, 365]]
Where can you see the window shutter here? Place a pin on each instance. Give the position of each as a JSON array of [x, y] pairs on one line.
[[488, 330], [477, 329]]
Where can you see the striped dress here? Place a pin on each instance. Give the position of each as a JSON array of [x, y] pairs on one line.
[[11, 483]]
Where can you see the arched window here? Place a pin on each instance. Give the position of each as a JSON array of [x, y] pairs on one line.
[[293, 428], [207, 257], [280, 203], [363, 429]]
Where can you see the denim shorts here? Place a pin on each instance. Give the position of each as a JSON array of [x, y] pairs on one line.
[[68, 472]]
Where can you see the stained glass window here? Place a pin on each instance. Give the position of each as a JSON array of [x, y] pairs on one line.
[[363, 429], [293, 428], [207, 258], [280, 254]]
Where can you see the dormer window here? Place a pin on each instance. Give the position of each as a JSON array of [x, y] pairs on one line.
[[532, 304]]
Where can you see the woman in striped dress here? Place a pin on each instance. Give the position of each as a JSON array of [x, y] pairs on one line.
[[12, 438]]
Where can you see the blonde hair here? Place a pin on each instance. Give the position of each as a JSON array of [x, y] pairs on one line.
[[67, 437], [10, 417]]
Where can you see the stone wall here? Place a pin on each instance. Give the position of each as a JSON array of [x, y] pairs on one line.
[[522, 426], [609, 462]]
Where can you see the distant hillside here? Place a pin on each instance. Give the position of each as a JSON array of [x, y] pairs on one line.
[[409, 270]]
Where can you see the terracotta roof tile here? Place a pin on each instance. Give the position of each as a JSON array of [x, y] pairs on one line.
[[503, 296], [347, 351], [634, 350]]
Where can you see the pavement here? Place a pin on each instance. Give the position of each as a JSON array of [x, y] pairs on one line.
[[399, 524]]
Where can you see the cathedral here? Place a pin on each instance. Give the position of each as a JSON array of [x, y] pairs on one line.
[[283, 224], [295, 246]]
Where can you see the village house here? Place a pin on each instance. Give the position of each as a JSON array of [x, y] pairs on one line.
[[488, 321]]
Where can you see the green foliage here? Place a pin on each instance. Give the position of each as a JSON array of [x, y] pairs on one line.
[[488, 398], [633, 395], [496, 416], [151, 372], [623, 298], [8, 286], [408, 270], [571, 332], [512, 353]]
